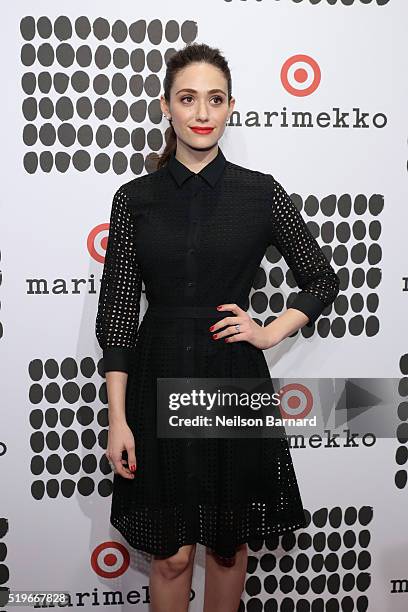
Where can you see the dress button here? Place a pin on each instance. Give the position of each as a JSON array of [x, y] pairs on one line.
[[188, 348], [190, 283]]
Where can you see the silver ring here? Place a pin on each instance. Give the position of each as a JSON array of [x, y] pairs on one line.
[[111, 465], [237, 327]]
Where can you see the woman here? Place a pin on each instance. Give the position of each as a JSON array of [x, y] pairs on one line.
[[195, 231]]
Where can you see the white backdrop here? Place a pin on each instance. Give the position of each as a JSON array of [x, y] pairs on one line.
[[55, 502]]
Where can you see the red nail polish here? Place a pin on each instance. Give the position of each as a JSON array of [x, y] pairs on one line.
[[219, 307], [214, 336], [132, 468], [212, 327], [226, 339]]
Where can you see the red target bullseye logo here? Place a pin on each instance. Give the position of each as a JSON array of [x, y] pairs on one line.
[[300, 75], [110, 559], [98, 241], [296, 401]]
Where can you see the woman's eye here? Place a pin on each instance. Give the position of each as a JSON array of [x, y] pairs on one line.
[[191, 97]]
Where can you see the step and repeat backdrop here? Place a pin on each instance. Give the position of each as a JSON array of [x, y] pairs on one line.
[[320, 88]]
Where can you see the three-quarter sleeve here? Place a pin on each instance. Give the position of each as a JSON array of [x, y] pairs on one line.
[[314, 275], [117, 317]]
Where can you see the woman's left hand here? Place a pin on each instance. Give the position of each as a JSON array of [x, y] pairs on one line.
[[249, 330]]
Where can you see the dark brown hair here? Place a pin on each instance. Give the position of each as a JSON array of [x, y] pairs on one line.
[[192, 52]]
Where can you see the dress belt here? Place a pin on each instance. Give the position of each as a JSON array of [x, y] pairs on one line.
[[187, 312]]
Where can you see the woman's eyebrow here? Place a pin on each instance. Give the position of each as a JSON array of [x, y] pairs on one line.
[[195, 91]]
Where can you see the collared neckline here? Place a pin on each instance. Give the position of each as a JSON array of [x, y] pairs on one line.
[[211, 172]]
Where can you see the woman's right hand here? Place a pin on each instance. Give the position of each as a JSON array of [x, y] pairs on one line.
[[120, 438]]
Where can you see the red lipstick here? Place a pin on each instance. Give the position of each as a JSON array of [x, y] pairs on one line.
[[201, 130]]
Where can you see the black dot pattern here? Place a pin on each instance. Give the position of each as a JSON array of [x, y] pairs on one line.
[[76, 116], [69, 429], [401, 454], [4, 567], [336, 2], [324, 567], [354, 310], [291, 236]]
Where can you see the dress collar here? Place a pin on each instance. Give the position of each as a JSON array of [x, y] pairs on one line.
[[211, 172]]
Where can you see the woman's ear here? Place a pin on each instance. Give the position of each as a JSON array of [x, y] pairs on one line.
[[164, 107], [231, 106]]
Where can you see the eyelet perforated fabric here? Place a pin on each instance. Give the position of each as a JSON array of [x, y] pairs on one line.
[[197, 240], [313, 274], [121, 287]]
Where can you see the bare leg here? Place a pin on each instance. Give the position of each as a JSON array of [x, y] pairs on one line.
[[224, 583], [170, 581]]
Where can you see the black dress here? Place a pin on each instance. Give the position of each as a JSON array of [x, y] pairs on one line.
[[196, 241]]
